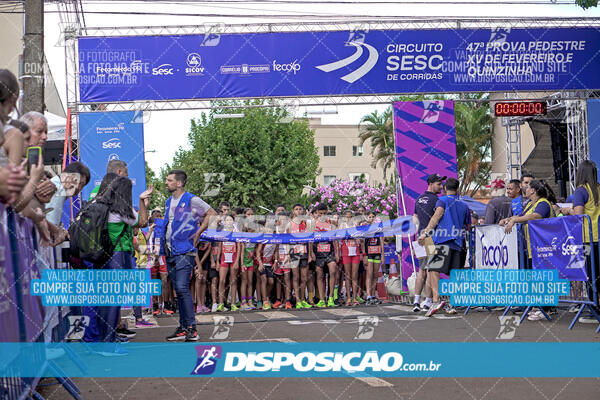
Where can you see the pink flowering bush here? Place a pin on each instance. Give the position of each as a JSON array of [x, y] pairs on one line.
[[341, 195]]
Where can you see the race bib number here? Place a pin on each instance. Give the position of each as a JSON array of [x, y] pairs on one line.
[[351, 248], [299, 249], [162, 261], [228, 250], [323, 247], [374, 249]]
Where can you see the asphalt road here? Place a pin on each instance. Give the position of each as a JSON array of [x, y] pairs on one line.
[[390, 323]]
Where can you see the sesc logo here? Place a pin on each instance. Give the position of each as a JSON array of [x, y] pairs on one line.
[[114, 143], [291, 67], [194, 66], [163, 69], [569, 248], [207, 359]]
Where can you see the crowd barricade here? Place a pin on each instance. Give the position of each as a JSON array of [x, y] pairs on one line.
[[22, 316], [556, 244], [560, 245]]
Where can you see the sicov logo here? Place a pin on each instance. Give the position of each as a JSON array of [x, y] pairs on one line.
[[207, 359], [291, 67], [194, 62], [113, 143]]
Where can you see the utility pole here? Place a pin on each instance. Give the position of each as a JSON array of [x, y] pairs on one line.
[[33, 57]]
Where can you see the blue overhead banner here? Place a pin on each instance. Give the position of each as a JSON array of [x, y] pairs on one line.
[[337, 63], [109, 136]]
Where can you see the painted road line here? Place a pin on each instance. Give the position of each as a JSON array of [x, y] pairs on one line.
[[276, 314], [399, 307], [374, 382], [344, 312], [205, 319]]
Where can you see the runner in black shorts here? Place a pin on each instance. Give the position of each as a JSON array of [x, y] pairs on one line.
[[375, 255], [326, 254]]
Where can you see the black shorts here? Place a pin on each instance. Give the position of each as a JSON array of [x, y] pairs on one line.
[[268, 270], [206, 265], [298, 260], [445, 259], [323, 259], [361, 266], [212, 274]]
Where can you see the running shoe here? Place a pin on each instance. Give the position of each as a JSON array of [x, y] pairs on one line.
[[198, 309], [288, 305], [156, 312], [321, 304], [425, 306], [246, 307], [204, 309], [126, 333], [360, 300], [266, 306], [435, 308], [448, 309], [277, 304], [179, 334], [299, 305], [168, 312], [588, 319], [192, 335], [251, 305], [214, 307], [143, 324], [330, 302], [305, 304], [259, 305], [115, 351], [574, 309], [416, 307], [221, 307], [234, 307], [535, 316], [355, 303]]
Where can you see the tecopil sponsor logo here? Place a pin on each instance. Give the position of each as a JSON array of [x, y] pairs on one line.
[[290, 67], [495, 255]]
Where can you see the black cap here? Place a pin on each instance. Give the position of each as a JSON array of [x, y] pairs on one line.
[[435, 178]]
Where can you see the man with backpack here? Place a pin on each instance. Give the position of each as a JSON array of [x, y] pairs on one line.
[[186, 215]]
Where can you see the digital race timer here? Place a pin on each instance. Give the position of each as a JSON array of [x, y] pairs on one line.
[[520, 108]]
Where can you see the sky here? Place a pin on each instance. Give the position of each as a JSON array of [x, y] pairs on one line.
[[166, 131]]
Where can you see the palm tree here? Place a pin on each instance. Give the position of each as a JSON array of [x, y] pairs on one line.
[[473, 144], [378, 128]]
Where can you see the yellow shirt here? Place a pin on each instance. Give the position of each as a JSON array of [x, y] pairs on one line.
[[593, 210], [529, 210], [141, 257]]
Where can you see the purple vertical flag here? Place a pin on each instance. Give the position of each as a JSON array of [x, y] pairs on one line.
[[425, 138]]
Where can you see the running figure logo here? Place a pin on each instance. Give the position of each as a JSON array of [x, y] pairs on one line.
[[222, 327], [77, 325], [508, 327], [499, 35], [366, 327], [207, 359], [431, 111]]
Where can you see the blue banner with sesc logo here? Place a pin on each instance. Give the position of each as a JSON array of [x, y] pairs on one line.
[[557, 243], [275, 64], [109, 136]]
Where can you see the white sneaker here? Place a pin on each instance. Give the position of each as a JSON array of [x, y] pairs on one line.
[[574, 309], [435, 308], [588, 319], [535, 316], [214, 307]]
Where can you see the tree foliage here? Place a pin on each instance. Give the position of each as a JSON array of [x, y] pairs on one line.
[[263, 161], [473, 144]]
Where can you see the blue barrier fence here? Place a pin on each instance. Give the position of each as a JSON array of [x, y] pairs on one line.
[[22, 316], [584, 293]]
